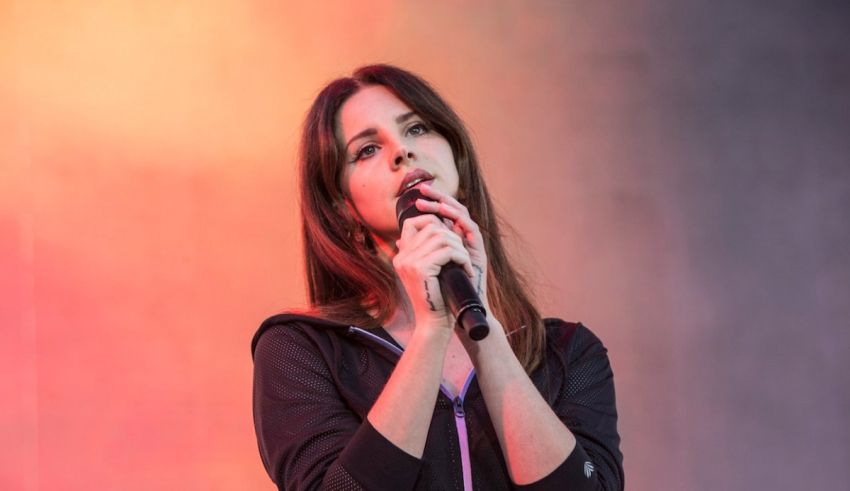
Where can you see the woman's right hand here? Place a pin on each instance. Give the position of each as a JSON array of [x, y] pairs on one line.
[[425, 246]]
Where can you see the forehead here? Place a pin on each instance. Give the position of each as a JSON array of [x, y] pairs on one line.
[[370, 106]]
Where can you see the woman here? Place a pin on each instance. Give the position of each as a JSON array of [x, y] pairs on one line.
[[375, 387]]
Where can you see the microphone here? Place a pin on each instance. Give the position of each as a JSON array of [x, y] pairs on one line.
[[461, 298]]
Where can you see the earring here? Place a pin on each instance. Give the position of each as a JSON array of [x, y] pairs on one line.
[[357, 233], [359, 236]]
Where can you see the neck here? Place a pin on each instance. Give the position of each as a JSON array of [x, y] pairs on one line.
[[385, 247], [402, 318]]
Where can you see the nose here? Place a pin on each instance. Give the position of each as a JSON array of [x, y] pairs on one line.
[[402, 155]]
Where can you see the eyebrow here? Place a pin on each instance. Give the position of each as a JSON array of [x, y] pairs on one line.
[[372, 131]]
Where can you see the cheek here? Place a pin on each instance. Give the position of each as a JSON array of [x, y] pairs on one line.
[[448, 157], [356, 188], [367, 190], [356, 181], [445, 151], [361, 182]]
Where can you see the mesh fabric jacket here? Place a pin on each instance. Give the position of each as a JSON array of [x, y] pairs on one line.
[[315, 381]]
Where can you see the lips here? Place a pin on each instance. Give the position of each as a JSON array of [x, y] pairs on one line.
[[413, 178]]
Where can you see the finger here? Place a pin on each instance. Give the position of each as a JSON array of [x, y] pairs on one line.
[[411, 228], [441, 238], [461, 255], [413, 225], [433, 193], [437, 229], [421, 221], [433, 207], [408, 230], [426, 241], [445, 255], [429, 259], [433, 238], [445, 210], [453, 210], [462, 223]]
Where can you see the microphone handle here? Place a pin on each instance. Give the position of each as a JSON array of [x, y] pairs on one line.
[[463, 301]]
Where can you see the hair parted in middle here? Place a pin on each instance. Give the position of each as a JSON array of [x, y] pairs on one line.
[[346, 280]]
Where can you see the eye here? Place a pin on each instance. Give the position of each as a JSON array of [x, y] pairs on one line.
[[366, 152], [417, 129]]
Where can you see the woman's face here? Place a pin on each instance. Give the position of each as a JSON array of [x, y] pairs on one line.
[[384, 140]]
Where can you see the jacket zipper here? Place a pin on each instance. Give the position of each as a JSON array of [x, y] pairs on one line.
[[463, 437], [457, 406]]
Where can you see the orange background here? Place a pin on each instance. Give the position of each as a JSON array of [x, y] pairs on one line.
[[676, 181]]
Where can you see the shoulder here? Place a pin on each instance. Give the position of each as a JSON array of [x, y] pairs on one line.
[[294, 326], [570, 338]]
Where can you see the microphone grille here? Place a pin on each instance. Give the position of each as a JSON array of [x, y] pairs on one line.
[[406, 205]]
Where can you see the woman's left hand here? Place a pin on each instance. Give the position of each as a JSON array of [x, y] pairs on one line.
[[456, 217]]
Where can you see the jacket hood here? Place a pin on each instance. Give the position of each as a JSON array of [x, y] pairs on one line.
[[287, 318]]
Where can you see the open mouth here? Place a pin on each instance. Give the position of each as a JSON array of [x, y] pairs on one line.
[[413, 179], [415, 183]]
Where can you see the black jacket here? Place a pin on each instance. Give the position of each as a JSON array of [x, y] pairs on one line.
[[315, 381]]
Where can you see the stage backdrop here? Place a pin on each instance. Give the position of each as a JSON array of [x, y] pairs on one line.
[[676, 172]]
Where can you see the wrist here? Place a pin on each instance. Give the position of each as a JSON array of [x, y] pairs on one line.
[[432, 331], [493, 348]]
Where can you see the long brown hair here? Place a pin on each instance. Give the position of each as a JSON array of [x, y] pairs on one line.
[[346, 280]]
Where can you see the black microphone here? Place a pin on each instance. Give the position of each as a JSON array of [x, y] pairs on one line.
[[457, 290]]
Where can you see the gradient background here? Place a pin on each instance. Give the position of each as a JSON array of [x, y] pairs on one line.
[[679, 172]]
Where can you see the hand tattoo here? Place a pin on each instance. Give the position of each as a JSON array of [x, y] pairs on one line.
[[428, 297], [480, 277]]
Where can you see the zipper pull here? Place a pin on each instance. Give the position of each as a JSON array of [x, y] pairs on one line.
[[458, 405]]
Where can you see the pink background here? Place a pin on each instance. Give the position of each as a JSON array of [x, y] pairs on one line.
[[677, 172]]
